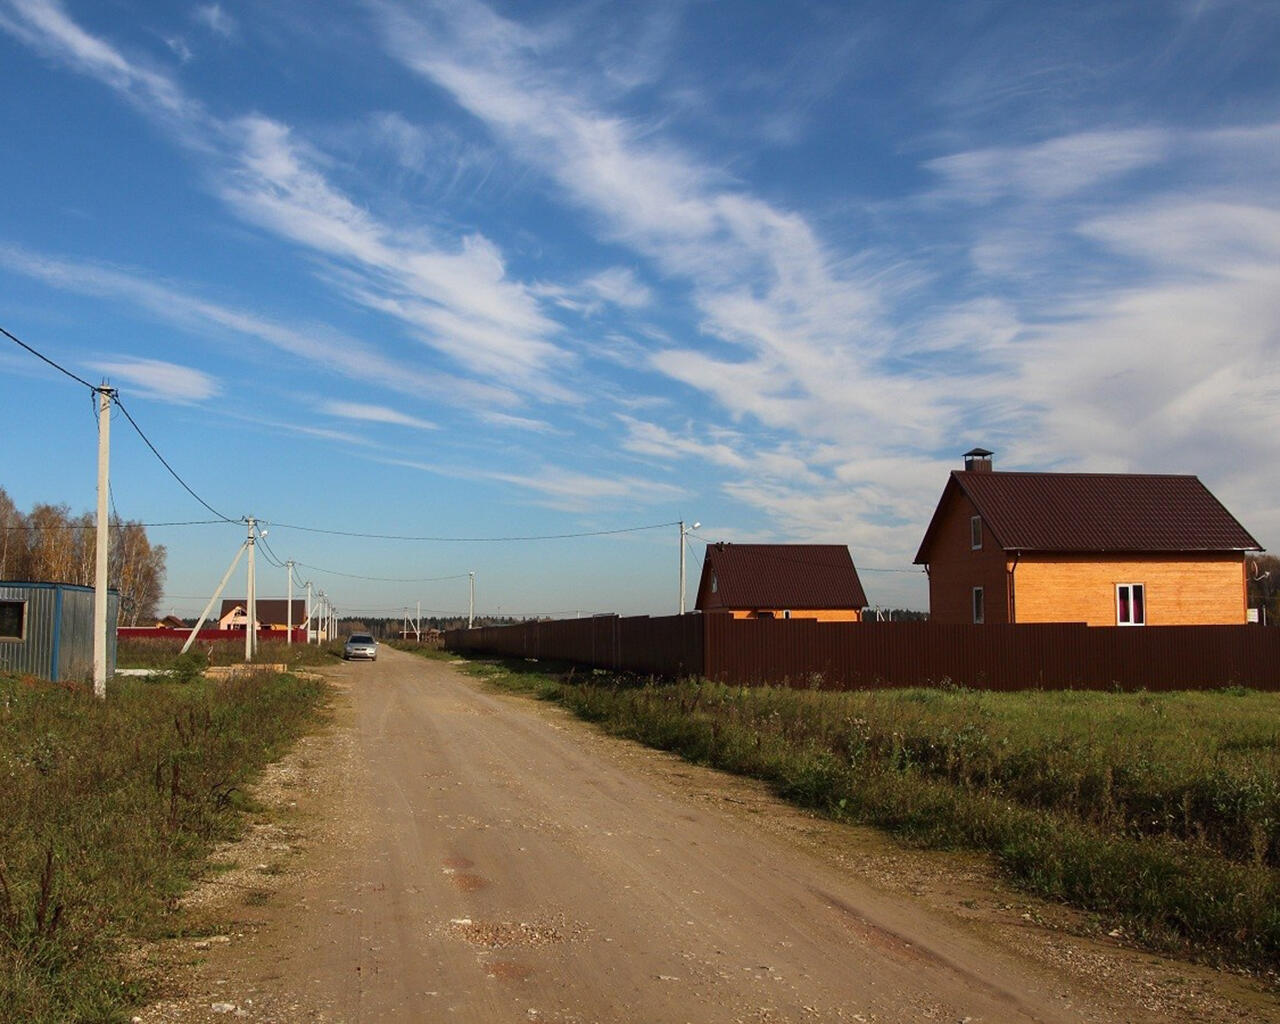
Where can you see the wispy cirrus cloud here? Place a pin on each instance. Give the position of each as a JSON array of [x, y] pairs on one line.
[[454, 296], [168, 382], [1048, 170], [346, 357], [376, 414]]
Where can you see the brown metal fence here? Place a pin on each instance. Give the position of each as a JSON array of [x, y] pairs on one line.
[[668, 646], [840, 655]]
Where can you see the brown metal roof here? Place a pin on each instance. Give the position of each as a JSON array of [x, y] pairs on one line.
[[1097, 512], [781, 576], [272, 610]]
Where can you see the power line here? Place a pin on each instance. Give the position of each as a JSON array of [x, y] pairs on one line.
[[381, 579], [172, 472], [44, 358], [117, 524], [471, 540]]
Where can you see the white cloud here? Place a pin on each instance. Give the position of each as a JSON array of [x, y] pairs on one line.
[[376, 414], [1049, 170], [167, 382], [620, 286], [215, 19], [453, 296], [320, 346]]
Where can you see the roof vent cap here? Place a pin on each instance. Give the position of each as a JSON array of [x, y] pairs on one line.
[[977, 460]]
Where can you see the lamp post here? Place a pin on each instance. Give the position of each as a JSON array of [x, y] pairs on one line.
[[683, 533]]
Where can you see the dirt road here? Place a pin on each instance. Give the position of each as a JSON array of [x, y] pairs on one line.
[[460, 856]]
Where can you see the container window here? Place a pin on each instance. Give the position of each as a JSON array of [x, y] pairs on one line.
[[1131, 604], [13, 621], [978, 610]]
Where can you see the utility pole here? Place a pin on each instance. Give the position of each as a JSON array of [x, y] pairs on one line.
[[471, 604], [288, 566], [309, 611], [683, 533], [417, 625], [213, 600], [251, 611], [105, 395]]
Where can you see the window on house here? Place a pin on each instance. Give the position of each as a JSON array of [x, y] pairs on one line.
[[787, 613], [978, 610], [13, 621], [1131, 604], [715, 584], [975, 532]]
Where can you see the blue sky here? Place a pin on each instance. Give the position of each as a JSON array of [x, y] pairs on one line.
[[469, 270]]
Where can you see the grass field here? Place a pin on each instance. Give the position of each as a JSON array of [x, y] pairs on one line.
[[107, 809], [1159, 813], [162, 652]]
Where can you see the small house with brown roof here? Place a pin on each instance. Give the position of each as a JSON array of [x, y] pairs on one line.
[[783, 581], [272, 613], [1105, 549]]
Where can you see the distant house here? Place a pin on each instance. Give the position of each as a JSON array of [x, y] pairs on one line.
[[272, 614], [784, 581], [170, 622], [1103, 549]]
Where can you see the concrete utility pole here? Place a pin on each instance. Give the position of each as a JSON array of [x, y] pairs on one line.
[[250, 627], [288, 567], [105, 395], [471, 604], [417, 626], [309, 613], [213, 600]]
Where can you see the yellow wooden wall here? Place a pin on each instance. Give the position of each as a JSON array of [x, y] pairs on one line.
[[1195, 589], [820, 614]]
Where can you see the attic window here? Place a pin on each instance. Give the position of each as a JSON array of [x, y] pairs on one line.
[[975, 532], [978, 609], [715, 583], [13, 621]]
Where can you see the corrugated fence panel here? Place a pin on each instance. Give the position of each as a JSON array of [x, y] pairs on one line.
[[840, 655]]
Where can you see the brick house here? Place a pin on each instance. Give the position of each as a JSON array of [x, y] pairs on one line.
[[784, 581], [1106, 549]]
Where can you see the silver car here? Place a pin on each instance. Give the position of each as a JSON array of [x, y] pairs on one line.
[[360, 645]]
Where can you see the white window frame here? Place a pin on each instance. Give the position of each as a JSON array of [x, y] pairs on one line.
[[1141, 588], [22, 613], [786, 613], [979, 606], [975, 533]]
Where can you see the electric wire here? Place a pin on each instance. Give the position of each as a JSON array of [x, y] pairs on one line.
[[172, 472], [472, 540], [381, 579], [44, 358]]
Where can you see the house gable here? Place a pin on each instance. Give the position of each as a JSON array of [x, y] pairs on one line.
[[777, 578]]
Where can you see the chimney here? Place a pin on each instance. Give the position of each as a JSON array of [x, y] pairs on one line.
[[977, 460]]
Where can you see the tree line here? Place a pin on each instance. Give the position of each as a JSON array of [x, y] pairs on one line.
[[50, 545]]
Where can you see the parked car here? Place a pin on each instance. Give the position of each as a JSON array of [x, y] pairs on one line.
[[360, 645]]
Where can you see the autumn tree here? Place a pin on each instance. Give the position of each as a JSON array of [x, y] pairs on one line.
[[51, 544]]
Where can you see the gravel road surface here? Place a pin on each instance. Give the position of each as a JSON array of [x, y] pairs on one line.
[[447, 854]]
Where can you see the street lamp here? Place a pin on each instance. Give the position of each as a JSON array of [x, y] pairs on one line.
[[683, 533]]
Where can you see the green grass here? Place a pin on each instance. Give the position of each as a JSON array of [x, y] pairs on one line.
[[162, 653], [1158, 812], [106, 812]]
